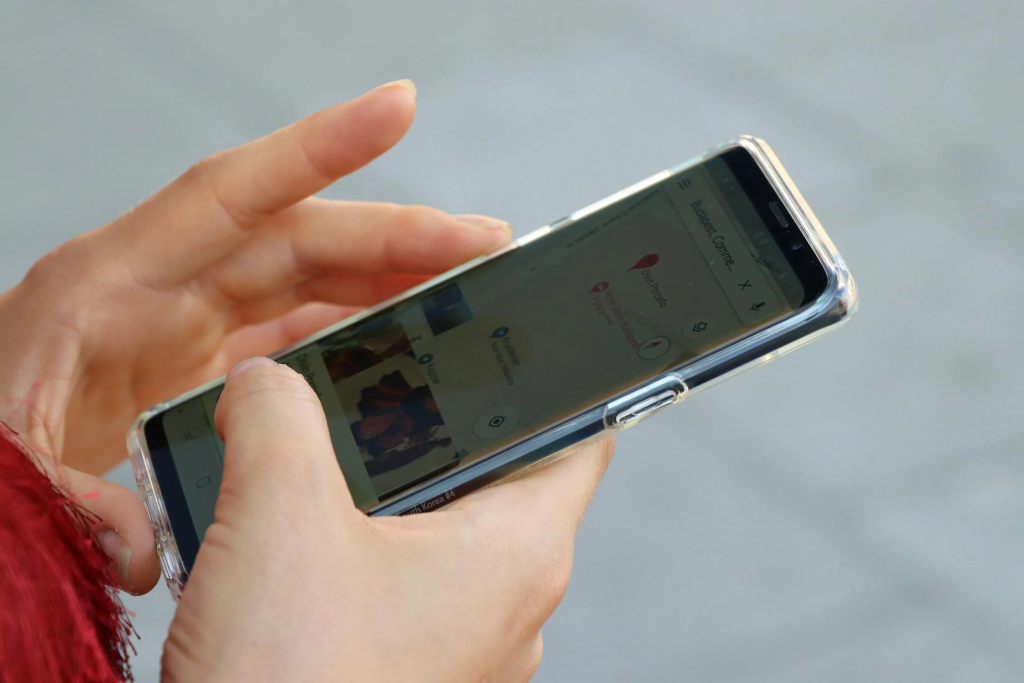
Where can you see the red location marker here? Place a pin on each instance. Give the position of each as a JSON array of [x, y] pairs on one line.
[[646, 262], [600, 287]]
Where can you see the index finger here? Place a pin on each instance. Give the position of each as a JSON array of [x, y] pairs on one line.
[[206, 212]]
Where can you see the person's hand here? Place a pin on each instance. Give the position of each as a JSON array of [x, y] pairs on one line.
[[232, 259], [293, 583]]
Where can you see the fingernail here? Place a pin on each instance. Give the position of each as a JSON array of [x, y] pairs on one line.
[[118, 551], [484, 222], [250, 364], [404, 83]]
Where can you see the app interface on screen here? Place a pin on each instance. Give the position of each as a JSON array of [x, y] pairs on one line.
[[550, 329]]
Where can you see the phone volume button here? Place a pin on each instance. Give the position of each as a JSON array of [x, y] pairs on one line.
[[646, 408]]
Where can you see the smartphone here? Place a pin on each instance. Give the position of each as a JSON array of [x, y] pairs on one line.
[[577, 330]]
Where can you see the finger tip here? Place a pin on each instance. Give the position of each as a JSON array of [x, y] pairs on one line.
[[351, 134], [144, 569], [484, 222], [485, 234], [392, 106], [121, 529], [404, 83], [133, 559], [249, 364], [142, 577]]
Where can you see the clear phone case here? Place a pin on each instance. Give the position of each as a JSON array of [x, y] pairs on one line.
[[835, 305]]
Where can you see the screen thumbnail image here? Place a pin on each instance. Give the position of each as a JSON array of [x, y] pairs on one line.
[[355, 349], [445, 309], [397, 426]]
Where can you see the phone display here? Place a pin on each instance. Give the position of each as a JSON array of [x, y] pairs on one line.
[[503, 351]]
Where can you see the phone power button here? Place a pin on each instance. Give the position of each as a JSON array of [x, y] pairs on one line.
[[646, 407]]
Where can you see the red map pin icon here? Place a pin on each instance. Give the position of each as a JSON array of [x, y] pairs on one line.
[[646, 262], [599, 287]]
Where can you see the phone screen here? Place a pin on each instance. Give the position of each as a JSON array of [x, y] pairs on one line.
[[541, 333]]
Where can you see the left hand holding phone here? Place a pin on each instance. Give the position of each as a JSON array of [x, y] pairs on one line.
[[233, 259], [293, 582]]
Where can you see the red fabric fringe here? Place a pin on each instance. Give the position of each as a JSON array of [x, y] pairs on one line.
[[60, 616]]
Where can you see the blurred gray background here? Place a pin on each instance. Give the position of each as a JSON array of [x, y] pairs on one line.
[[852, 512]]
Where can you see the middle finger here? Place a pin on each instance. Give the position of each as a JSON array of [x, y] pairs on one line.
[[318, 237]]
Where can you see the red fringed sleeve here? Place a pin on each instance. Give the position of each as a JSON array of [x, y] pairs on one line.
[[60, 617]]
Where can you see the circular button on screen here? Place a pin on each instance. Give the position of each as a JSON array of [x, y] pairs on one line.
[[496, 422], [655, 347]]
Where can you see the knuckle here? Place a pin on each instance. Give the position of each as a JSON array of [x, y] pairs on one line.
[[546, 592], [549, 574], [195, 176], [531, 662], [555, 583], [207, 176], [57, 264], [201, 171], [64, 281], [525, 663], [48, 263], [418, 216]]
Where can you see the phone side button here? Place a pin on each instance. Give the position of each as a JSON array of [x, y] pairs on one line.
[[646, 408]]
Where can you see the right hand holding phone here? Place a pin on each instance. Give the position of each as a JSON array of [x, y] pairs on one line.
[[293, 582]]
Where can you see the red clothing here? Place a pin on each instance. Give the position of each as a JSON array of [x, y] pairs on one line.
[[60, 617]]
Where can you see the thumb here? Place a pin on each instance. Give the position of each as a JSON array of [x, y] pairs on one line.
[[277, 445], [119, 523]]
